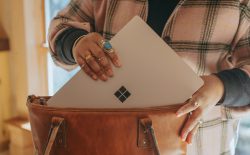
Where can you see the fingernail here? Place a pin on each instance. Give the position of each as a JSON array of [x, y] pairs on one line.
[[118, 63], [104, 77], [183, 137], [94, 77], [178, 114], [110, 72]]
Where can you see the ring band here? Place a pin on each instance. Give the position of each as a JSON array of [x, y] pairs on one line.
[[190, 114], [83, 65], [196, 104], [88, 57]]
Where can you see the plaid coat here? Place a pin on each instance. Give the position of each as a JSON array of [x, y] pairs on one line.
[[210, 36]]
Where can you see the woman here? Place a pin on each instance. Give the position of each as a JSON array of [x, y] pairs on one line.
[[211, 36]]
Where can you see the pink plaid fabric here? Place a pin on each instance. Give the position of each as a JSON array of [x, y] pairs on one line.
[[209, 35]]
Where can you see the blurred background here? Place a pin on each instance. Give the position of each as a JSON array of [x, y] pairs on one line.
[[26, 68]]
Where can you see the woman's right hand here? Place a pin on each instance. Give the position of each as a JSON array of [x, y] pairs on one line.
[[92, 58]]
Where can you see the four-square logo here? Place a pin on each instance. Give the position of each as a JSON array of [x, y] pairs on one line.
[[122, 94]]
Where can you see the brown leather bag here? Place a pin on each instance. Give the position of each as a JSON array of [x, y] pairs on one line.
[[68, 131]]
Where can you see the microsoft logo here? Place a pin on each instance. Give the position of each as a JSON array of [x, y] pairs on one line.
[[122, 94]]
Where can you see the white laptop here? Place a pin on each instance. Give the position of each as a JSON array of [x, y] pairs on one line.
[[152, 75]]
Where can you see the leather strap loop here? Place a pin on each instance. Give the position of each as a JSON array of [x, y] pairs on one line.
[[147, 123], [55, 126]]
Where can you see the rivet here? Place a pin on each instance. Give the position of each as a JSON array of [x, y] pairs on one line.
[[42, 101]]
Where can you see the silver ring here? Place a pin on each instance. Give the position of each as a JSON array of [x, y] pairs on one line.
[[190, 114], [196, 104], [106, 46]]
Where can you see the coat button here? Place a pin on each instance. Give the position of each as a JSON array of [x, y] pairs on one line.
[[167, 39]]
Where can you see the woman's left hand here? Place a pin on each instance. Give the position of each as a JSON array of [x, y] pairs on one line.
[[201, 102]]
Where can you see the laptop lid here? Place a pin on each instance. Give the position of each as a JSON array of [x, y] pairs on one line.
[[152, 75]]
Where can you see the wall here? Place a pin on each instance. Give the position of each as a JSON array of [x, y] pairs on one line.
[[5, 104], [23, 21], [23, 69], [17, 57], [4, 92]]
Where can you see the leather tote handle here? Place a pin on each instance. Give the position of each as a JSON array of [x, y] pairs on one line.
[[55, 126], [147, 123]]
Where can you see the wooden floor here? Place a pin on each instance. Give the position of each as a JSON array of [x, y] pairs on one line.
[[4, 153]]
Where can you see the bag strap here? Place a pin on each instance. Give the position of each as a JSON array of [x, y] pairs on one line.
[[55, 126], [57, 123], [147, 123]]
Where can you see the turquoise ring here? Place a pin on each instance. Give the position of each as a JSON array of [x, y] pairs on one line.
[[106, 46]]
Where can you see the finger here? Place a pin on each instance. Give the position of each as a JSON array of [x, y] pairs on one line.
[[114, 58], [86, 68], [192, 133], [102, 59], [190, 124], [112, 55], [94, 65], [190, 105]]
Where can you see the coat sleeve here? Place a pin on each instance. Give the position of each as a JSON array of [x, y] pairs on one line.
[[237, 80], [77, 14], [241, 43]]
